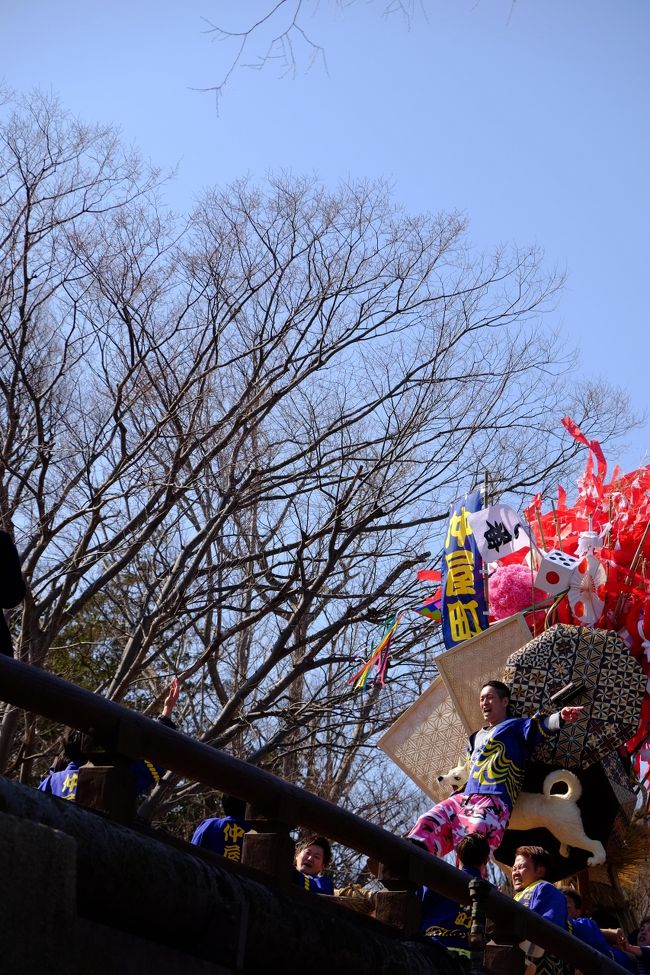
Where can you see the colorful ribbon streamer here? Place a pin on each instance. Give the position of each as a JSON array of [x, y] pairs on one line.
[[379, 656]]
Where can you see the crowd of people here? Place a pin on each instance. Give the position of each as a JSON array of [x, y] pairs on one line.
[[471, 823]]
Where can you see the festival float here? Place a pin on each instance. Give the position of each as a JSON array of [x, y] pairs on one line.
[[555, 602]]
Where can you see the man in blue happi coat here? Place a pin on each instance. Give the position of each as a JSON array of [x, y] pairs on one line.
[[586, 929], [443, 919], [497, 755], [540, 896], [224, 835]]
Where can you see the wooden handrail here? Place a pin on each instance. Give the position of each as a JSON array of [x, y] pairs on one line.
[[136, 736]]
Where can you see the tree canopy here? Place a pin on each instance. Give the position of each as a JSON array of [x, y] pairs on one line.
[[229, 439]]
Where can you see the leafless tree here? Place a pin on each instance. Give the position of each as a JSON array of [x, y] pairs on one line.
[[227, 445], [281, 35]]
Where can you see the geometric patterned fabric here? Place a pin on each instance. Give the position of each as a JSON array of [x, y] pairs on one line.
[[614, 686], [467, 667], [427, 740]]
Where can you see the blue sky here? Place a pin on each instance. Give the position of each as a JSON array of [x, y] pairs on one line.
[[531, 117]]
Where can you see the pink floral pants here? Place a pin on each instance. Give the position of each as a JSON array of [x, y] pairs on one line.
[[443, 826]]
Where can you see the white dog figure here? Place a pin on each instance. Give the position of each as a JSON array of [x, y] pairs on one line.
[[557, 812]]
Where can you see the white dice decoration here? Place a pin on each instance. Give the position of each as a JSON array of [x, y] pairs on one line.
[[554, 574]]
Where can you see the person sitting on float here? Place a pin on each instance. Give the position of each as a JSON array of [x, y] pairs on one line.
[[497, 755]]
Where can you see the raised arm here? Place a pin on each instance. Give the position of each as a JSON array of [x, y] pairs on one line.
[[172, 698]]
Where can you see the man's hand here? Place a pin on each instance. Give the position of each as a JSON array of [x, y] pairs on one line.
[[172, 697], [571, 715]]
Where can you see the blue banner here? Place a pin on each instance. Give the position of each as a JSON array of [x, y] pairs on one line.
[[463, 602]]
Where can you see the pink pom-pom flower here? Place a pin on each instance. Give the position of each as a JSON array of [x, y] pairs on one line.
[[511, 591]]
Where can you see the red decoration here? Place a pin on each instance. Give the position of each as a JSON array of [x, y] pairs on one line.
[[618, 511]]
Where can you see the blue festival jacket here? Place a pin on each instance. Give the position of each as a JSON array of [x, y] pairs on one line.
[[444, 920], [546, 900], [317, 885], [223, 836], [497, 766]]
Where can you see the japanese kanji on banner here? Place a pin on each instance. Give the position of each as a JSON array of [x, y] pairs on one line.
[[499, 531], [463, 603]]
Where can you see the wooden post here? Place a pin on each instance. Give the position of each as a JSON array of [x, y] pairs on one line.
[[268, 846], [397, 905], [110, 789]]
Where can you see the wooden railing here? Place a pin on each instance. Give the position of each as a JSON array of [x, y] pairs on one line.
[[136, 736]]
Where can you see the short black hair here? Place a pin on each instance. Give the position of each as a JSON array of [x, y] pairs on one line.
[[502, 689], [473, 850], [69, 750], [232, 806], [314, 840]]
